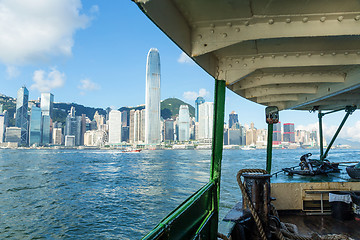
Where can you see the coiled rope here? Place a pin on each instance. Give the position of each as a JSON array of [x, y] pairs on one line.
[[284, 231]]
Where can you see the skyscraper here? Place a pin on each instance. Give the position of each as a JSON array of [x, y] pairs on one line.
[[184, 123], [152, 98], [206, 113], [47, 106], [169, 130], [233, 120], [21, 120], [35, 126], [114, 127], [198, 101], [73, 128], [289, 132], [3, 125]]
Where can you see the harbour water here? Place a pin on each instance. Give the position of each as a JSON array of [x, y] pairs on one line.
[[104, 194]]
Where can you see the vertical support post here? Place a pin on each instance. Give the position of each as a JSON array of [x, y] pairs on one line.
[[320, 115], [269, 147], [348, 112], [217, 148]]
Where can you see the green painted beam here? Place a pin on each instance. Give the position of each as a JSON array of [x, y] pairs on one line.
[[217, 148], [269, 147]]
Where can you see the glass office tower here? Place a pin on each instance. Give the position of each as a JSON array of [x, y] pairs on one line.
[[184, 123], [21, 120], [35, 126], [152, 98], [198, 101], [47, 103]]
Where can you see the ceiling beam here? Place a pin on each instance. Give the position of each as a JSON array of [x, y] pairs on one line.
[[211, 36]]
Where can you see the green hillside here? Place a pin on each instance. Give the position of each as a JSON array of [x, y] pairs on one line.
[[170, 108]]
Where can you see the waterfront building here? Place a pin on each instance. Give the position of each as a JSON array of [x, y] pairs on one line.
[[289, 133], [70, 141], [277, 133], [131, 126], [35, 126], [184, 123], [152, 98], [13, 134], [73, 126], [95, 138], [169, 130], [99, 119], [233, 120], [242, 135], [114, 127], [206, 112], [57, 136], [198, 101], [4, 121], [251, 135], [47, 106], [234, 136], [22, 119]]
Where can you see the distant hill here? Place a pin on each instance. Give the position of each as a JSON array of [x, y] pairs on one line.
[[170, 108]]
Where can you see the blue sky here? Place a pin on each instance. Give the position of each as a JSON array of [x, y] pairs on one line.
[[94, 53]]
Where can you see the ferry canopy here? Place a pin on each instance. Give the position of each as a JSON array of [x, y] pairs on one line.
[[293, 54]]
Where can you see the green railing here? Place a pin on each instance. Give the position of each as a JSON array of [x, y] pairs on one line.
[[197, 217]]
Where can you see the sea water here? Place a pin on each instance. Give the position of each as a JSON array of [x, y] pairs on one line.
[[106, 194]]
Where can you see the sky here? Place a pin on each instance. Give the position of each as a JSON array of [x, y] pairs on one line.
[[94, 52]]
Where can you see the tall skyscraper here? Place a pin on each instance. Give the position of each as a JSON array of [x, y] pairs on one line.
[[114, 127], [184, 123], [3, 125], [206, 114], [277, 133], [47, 106], [152, 98], [73, 128], [22, 120], [289, 132], [169, 130], [198, 101], [233, 120], [35, 126]]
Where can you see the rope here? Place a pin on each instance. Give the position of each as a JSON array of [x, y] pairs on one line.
[[247, 199], [283, 231]]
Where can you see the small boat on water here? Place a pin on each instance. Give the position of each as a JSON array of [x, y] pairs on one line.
[[131, 150]]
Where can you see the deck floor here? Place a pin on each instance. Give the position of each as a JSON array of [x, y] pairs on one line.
[[323, 225]]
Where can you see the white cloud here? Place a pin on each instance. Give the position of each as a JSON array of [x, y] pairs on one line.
[[183, 58], [88, 85], [191, 95], [94, 9], [45, 83], [35, 30], [351, 133], [12, 72]]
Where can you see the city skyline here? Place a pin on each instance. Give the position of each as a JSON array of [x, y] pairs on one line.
[[87, 62]]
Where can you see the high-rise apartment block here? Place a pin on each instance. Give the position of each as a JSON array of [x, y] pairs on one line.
[[22, 119], [115, 127], [152, 98], [57, 136]]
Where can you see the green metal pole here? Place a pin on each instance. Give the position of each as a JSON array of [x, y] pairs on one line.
[[336, 134], [269, 147], [320, 115], [217, 147]]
